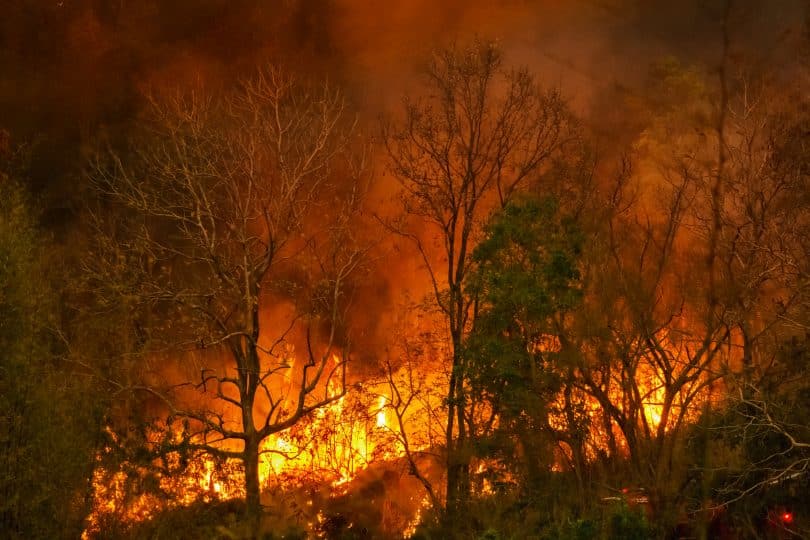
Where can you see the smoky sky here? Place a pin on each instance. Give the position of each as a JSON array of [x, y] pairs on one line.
[[72, 69], [73, 72]]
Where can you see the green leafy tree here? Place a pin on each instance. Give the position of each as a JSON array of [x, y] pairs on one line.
[[525, 280], [481, 134], [47, 410]]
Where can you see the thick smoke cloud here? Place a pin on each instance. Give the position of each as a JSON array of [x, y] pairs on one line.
[[70, 67], [72, 71]]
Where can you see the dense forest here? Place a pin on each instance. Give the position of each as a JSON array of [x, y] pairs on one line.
[[432, 270]]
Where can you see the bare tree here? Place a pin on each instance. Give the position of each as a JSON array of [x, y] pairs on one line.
[[238, 234], [480, 134], [412, 390], [693, 284], [763, 266]]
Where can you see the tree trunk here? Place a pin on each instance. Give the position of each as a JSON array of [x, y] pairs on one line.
[[458, 474], [253, 507], [451, 503]]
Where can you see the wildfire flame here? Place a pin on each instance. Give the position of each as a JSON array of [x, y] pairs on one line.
[[330, 447]]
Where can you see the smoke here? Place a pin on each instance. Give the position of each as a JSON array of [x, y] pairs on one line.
[[75, 69], [72, 67]]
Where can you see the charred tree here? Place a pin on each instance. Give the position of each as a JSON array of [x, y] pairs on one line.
[[235, 203]]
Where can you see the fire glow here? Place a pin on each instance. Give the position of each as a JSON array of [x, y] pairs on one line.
[[329, 448]]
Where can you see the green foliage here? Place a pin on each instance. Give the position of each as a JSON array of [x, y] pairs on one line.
[[629, 524], [525, 280], [548, 515], [46, 414], [490, 534], [215, 520], [580, 529], [525, 276]]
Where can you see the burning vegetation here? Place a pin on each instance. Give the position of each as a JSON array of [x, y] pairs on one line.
[[284, 309]]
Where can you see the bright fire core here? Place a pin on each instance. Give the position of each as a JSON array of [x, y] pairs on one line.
[[329, 449]]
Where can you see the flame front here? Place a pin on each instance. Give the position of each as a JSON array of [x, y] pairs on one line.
[[329, 448]]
